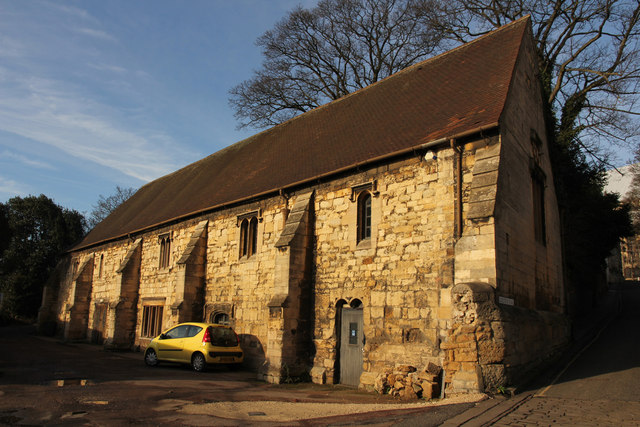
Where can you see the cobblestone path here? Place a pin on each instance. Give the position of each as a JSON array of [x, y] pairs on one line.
[[546, 411], [600, 387]]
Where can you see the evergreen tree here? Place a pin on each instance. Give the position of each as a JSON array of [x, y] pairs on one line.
[[36, 234]]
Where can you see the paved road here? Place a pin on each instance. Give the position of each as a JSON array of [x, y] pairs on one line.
[[600, 386], [46, 382]]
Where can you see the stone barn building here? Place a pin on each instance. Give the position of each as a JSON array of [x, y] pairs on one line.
[[409, 226]]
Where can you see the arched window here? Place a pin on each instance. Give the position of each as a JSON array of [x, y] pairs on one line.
[[248, 236], [165, 250], [244, 233], [100, 265], [364, 216], [253, 236], [220, 318]]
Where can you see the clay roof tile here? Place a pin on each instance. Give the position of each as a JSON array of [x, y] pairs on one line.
[[459, 90]]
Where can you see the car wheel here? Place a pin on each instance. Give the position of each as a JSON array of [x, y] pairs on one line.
[[150, 357], [198, 363]]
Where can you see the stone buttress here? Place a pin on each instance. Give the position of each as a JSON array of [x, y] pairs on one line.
[[190, 278], [291, 307], [121, 319]]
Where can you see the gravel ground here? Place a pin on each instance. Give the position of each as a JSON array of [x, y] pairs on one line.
[[295, 411]]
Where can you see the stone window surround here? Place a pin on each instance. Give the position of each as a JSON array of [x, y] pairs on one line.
[[150, 328], [538, 185], [211, 310], [369, 244], [249, 233], [164, 254], [363, 223], [100, 266]]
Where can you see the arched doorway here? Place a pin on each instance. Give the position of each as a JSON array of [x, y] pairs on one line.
[[351, 342]]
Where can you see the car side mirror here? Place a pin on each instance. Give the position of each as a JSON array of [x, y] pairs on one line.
[[163, 336]]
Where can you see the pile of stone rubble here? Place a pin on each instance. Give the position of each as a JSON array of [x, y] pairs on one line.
[[407, 383]]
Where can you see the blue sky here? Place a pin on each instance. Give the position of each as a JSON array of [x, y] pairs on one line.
[[95, 94]]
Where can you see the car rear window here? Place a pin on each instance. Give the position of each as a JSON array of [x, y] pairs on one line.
[[223, 337]]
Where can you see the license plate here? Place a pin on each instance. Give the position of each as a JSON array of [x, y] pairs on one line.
[[226, 359]]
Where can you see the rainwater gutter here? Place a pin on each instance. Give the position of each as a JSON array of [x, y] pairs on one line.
[[458, 183], [281, 190]]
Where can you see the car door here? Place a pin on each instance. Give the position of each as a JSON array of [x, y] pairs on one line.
[[192, 342], [171, 344]]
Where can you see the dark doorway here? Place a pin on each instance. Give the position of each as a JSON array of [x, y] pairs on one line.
[[99, 324], [351, 345]]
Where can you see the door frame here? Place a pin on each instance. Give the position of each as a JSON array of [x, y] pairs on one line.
[[345, 349]]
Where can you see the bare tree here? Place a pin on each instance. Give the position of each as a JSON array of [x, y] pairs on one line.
[[105, 205], [318, 55], [588, 52], [632, 197]]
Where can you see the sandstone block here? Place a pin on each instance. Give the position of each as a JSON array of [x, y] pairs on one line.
[[408, 394], [368, 378], [391, 380], [417, 388], [405, 368], [430, 390], [318, 375]]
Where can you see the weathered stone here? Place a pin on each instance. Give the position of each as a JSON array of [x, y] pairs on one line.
[[408, 394], [427, 278], [368, 378], [416, 388], [318, 375], [433, 369], [405, 368], [429, 390], [391, 379]]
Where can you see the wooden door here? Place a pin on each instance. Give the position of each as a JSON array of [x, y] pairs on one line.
[[351, 346]]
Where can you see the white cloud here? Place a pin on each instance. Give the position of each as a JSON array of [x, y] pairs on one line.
[[57, 114], [110, 68], [10, 188], [68, 10], [26, 160], [10, 48], [99, 34]]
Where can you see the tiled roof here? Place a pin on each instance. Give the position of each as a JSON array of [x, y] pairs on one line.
[[457, 91]]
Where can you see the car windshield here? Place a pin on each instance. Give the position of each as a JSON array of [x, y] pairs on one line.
[[223, 337]]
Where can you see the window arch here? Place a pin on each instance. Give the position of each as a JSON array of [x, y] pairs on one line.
[[165, 250], [253, 235], [220, 318], [364, 216], [248, 236], [100, 265], [244, 232]]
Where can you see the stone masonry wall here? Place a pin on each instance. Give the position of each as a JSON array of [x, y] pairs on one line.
[[402, 276], [397, 276], [528, 272], [244, 286], [492, 345], [509, 296]]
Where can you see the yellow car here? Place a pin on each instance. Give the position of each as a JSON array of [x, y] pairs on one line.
[[196, 344]]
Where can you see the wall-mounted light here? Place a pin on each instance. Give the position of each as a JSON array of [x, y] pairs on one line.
[[430, 155]]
